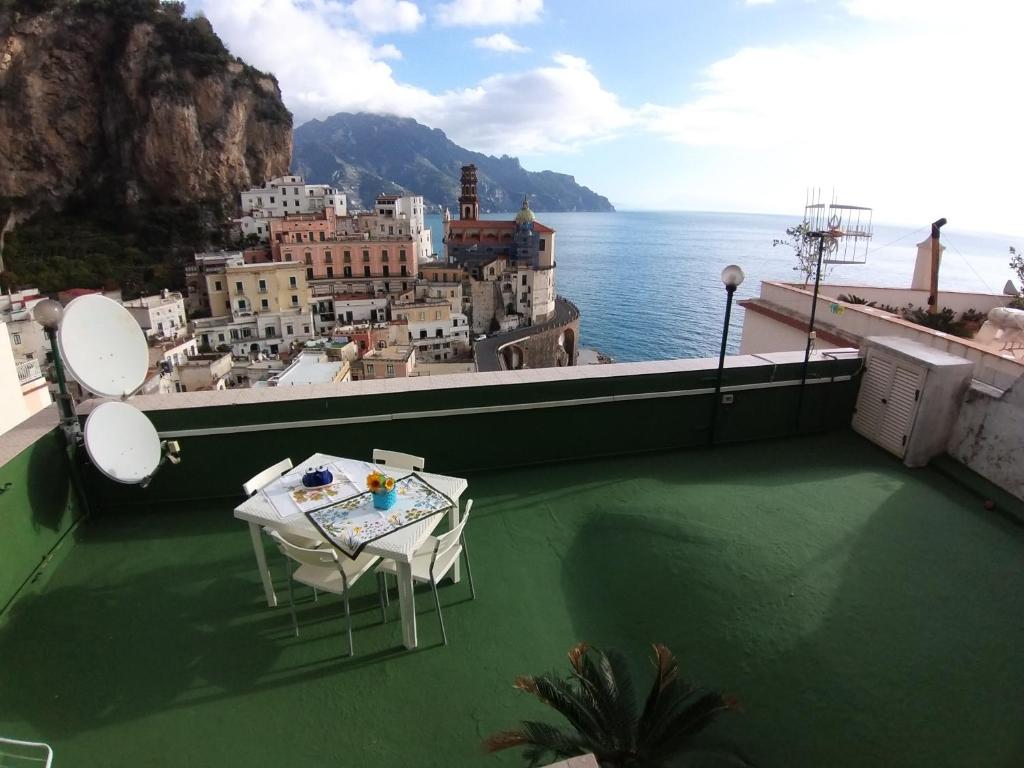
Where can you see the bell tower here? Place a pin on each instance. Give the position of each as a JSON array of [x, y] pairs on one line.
[[469, 207]]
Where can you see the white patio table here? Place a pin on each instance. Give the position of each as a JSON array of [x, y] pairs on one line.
[[399, 546]]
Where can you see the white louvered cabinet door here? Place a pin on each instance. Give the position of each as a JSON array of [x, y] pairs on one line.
[[887, 402]]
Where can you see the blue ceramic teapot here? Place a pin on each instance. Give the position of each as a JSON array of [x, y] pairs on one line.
[[314, 478]]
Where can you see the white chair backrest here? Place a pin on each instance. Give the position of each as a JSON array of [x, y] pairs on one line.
[[398, 459], [257, 482], [446, 541], [316, 557]]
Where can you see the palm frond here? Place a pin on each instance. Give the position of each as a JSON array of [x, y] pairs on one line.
[[666, 690], [688, 718], [541, 739], [606, 677], [575, 704]]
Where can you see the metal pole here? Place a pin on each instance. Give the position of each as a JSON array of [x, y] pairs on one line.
[[933, 298], [730, 290], [69, 422], [810, 326]]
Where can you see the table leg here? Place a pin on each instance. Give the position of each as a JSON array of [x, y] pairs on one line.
[[407, 603], [453, 520], [256, 534]]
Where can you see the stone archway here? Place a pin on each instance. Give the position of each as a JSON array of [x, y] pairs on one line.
[[513, 357], [568, 343]]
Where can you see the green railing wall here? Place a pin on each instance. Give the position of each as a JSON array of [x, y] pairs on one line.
[[38, 507], [216, 465]]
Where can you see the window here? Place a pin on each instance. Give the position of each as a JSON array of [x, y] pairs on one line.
[[381, 344], [346, 257], [17, 338], [369, 369], [271, 198], [423, 334], [390, 369], [524, 279], [305, 329], [263, 286], [348, 271], [404, 271], [309, 258], [309, 273], [541, 247], [295, 300], [234, 333], [264, 304], [289, 330], [321, 236], [238, 287], [328, 258], [330, 271], [439, 334], [273, 349], [384, 255], [366, 271], [366, 255], [287, 255], [385, 270], [216, 285], [401, 255], [220, 337], [246, 333], [293, 282], [423, 315], [270, 331], [242, 304]]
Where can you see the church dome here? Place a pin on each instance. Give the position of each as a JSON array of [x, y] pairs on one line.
[[525, 215]]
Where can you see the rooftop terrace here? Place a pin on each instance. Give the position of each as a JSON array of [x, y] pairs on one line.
[[863, 613]]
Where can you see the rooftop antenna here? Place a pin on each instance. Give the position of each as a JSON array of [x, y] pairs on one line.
[[833, 233]]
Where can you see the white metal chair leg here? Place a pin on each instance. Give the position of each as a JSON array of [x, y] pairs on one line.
[[291, 603], [440, 618], [381, 581], [469, 568], [348, 614]]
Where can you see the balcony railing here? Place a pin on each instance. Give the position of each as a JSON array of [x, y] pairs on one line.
[[28, 370]]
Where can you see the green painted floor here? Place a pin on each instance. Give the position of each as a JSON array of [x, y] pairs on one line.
[[864, 614]]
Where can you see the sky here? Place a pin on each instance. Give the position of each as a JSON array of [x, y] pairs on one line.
[[911, 107]]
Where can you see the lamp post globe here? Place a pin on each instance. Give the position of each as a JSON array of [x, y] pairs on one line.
[[732, 277], [48, 313]]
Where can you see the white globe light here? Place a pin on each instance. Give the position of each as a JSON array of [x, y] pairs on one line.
[[48, 313], [732, 276]]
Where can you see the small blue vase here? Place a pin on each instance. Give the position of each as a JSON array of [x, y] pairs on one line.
[[384, 499]]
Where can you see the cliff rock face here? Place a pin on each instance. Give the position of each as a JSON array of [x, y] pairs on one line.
[[129, 102]]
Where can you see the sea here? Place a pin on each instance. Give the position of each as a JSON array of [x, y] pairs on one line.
[[648, 283]]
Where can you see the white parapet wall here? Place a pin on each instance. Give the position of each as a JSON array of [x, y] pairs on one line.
[[989, 435]]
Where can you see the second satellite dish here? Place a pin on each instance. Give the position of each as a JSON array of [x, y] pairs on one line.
[[103, 347], [122, 442]]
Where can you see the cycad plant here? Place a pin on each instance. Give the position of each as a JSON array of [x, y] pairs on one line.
[[599, 702]]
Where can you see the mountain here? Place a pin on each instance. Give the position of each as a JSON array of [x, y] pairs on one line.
[[126, 121], [364, 155]]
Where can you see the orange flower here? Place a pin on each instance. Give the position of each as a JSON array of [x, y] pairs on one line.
[[373, 482], [389, 483]]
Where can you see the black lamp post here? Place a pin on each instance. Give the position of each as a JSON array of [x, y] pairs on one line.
[[732, 278]]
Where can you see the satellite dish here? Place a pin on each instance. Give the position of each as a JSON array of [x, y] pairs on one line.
[[122, 442], [103, 347]]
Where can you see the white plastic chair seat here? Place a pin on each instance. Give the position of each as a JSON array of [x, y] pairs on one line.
[[300, 539], [328, 578], [421, 562]]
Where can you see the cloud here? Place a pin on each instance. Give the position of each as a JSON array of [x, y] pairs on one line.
[[479, 13], [386, 15], [758, 2], [909, 118], [499, 42], [559, 106]]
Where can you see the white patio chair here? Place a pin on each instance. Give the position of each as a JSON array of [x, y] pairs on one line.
[[258, 482], [431, 563], [398, 459], [323, 569], [32, 754]]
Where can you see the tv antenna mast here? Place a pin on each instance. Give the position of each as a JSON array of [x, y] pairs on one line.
[[831, 233]]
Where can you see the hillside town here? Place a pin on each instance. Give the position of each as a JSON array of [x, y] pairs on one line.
[[317, 294]]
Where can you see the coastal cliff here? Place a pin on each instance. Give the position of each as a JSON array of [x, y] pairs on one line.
[[130, 100]]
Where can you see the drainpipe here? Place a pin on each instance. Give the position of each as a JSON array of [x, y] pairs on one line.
[[933, 297]]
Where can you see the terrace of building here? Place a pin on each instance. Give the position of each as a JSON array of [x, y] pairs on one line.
[[863, 613]]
